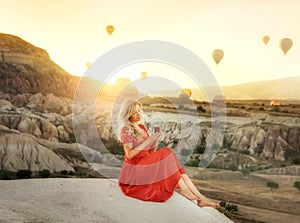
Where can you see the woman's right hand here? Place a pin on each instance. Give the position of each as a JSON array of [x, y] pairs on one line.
[[154, 137]]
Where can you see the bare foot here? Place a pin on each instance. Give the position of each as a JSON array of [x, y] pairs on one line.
[[204, 202], [188, 194]]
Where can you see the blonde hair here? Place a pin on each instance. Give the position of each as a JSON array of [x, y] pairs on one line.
[[125, 112]]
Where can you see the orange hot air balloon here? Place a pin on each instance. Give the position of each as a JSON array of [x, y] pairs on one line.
[[188, 92], [143, 75], [285, 44], [275, 103], [217, 55], [266, 39], [110, 29], [185, 93]]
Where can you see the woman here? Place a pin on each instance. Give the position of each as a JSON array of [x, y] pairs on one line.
[[147, 173]]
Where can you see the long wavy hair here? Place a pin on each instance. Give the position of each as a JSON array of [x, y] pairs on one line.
[[125, 112]]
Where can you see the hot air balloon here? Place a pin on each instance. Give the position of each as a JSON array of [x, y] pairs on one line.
[[188, 92], [285, 44], [88, 64], [185, 93], [217, 55], [275, 103], [110, 29], [143, 75], [266, 39]]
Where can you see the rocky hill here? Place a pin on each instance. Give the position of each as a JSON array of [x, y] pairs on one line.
[[25, 68], [36, 99], [282, 89], [261, 138]]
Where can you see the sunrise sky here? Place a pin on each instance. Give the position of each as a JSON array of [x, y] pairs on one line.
[[73, 32]]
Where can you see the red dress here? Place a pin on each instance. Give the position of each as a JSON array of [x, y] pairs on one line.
[[148, 176]]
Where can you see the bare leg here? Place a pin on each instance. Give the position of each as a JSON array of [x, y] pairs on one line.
[[185, 190], [202, 200]]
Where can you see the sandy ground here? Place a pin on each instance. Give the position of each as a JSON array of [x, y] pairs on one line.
[[91, 200], [259, 215], [256, 202]]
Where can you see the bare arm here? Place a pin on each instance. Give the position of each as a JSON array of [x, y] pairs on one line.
[[155, 142], [154, 147], [132, 152]]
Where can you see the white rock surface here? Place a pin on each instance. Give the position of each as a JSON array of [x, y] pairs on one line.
[[22, 151], [92, 200]]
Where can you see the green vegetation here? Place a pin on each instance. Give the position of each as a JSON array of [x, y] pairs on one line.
[[65, 173], [23, 174], [282, 165], [232, 167], [72, 138], [44, 173], [246, 152], [228, 209], [199, 149], [193, 162], [6, 175], [296, 161], [272, 185], [297, 185], [245, 171], [201, 109]]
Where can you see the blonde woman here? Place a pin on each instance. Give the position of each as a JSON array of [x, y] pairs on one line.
[[147, 173]]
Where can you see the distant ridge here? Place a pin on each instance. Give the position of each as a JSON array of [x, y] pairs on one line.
[[282, 89]]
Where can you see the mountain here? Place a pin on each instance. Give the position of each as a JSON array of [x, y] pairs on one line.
[[284, 88], [25, 68]]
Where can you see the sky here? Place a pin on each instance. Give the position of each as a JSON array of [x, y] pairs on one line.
[[73, 32]]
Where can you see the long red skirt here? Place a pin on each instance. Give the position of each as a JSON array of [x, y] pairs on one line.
[[151, 177]]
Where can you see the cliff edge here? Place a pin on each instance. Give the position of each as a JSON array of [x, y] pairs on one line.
[[92, 200]]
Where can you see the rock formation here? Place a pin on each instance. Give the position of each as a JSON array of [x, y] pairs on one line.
[[20, 151], [271, 140], [25, 151], [25, 68], [92, 200]]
